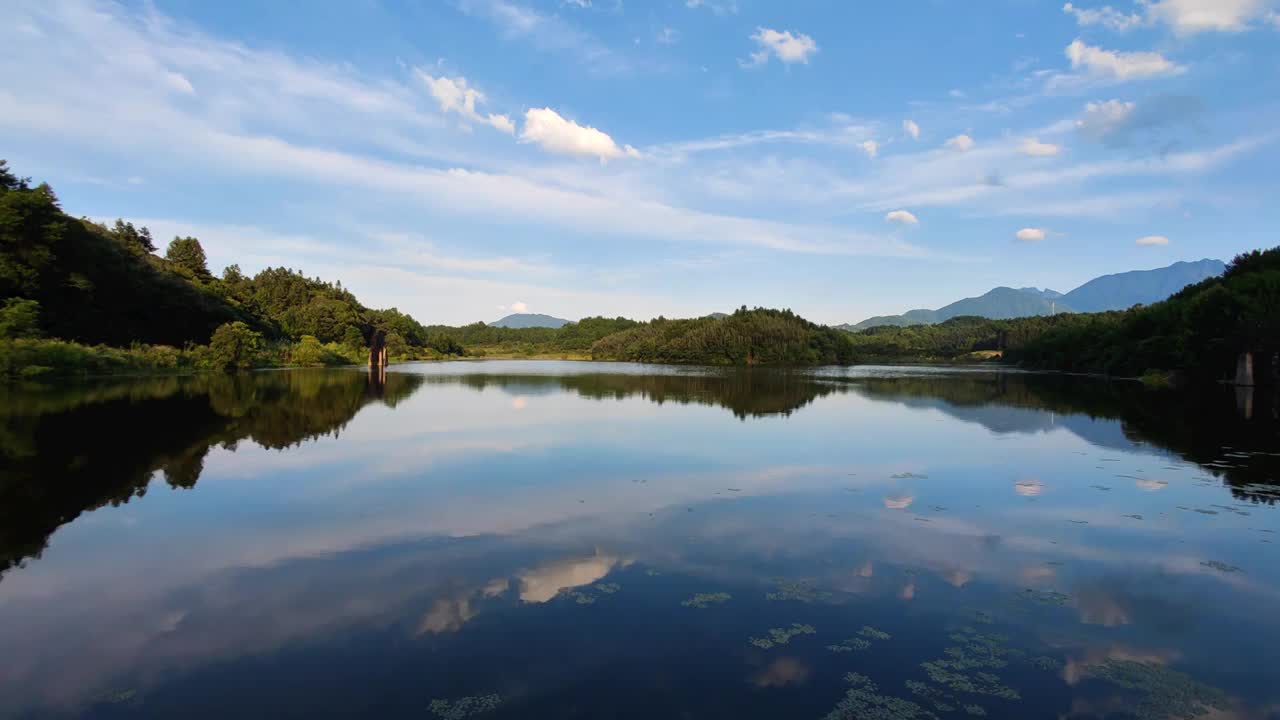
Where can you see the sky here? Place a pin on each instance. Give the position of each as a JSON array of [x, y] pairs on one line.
[[464, 159]]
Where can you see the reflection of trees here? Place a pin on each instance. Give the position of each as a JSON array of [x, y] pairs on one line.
[[1198, 425], [746, 393], [66, 450]]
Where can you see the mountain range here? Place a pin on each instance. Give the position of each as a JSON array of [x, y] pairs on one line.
[[1109, 292], [529, 320]]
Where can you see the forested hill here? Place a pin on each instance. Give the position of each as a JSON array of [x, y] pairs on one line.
[[1199, 332], [747, 337], [90, 283]]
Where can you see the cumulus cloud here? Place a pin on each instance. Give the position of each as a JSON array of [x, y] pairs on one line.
[[1118, 123], [901, 217], [961, 143], [667, 36], [724, 7], [899, 502], [546, 128], [870, 147], [1152, 241], [518, 307], [1035, 148], [911, 128], [1030, 234], [1106, 16], [1185, 17], [1188, 17], [454, 96], [1119, 65], [788, 47]]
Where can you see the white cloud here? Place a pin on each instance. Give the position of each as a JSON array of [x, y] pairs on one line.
[[1030, 234], [911, 128], [901, 217], [667, 36], [546, 128], [870, 147], [961, 143], [1152, 241], [519, 307], [1101, 119], [1105, 16], [1035, 148], [722, 7], [1119, 65], [454, 96], [1188, 17], [786, 46]]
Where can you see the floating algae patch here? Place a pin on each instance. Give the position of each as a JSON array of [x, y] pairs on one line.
[[908, 476], [862, 702], [1166, 693], [1221, 566], [874, 634], [800, 591], [608, 588], [706, 600], [1046, 663], [652, 573], [850, 645], [583, 598], [963, 670], [782, 636], [976, 710], [1044, 597], [465, 707], [115, 697]]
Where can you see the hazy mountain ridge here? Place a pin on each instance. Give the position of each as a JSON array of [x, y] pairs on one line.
[[530, 320], [1118, 291]]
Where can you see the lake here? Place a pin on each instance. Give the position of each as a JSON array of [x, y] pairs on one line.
[[524, 539]]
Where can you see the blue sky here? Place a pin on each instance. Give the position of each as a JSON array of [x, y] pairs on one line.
[[461, 159]]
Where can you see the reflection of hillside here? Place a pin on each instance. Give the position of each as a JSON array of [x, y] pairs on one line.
[[1199, 426], [746, 393], [66, 450]]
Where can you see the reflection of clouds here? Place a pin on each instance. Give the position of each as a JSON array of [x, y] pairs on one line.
[[782, 672], [958, 578], [899, 502], [1151, 485], [1077, 668], [543, 583], [447, 615], [1038, 572], [1029, 487], [450, 614], [908, 591], [867, 570], [518, 403]]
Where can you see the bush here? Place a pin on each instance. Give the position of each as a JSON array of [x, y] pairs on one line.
[[234, 346], [19, 318]]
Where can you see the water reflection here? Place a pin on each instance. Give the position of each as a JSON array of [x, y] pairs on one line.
[[428, 537]]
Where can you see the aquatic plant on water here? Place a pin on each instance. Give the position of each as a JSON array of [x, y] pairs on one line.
[[465, 707], [1165, 693], [705, 600], [862, 701], [782, 636], [800, 591]]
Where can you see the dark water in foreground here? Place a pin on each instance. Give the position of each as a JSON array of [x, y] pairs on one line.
[[570, 540]]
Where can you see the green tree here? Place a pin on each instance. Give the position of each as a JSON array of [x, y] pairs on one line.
[[234, 346], [186, 252], [19, 318], [308, 352]]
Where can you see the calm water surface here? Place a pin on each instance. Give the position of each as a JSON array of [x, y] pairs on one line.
[[573, 540]]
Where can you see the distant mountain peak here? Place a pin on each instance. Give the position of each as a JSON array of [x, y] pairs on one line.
[[1118, 291], [529, 320]]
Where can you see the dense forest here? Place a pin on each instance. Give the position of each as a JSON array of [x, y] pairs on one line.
[[77, 295], [747, 337], [82, 297]]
